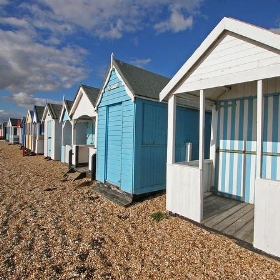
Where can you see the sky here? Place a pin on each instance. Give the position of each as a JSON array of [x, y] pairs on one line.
[[49, 47]]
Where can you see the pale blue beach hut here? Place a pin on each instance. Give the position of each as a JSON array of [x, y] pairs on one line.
[[132, 130], [66, 138]]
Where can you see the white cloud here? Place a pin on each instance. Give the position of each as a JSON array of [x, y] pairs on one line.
[[28, 66], [4, 115], [27, 101], [34, 56], [140, 62], [113, 18], [180, 19]]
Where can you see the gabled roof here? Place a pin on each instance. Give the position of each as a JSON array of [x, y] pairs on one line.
[[38, 112], [31, 113], [13, 121], [54, 110], [242, 29], [91, 93], [140, 82], [67, 105]]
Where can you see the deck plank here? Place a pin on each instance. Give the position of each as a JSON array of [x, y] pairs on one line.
[[239, 223], [219, 217], [232, 218], [229, 216], [246, 231], [217, 206]]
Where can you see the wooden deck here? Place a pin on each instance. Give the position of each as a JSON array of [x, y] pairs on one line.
[[229, 216]]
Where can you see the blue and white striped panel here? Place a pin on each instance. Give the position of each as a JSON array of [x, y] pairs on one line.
[[236, 131], [271, 138]]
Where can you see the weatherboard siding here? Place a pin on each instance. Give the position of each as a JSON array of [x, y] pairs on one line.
[[151, 142], [241, 56], [150, 146], [132, 139]]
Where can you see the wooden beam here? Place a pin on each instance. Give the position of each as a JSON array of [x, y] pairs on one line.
[[201, 146], [201, 128], [259, 128], [171, 129]]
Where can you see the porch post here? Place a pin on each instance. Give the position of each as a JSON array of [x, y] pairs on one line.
[[74, 132], [171, 129], [201, 128], [201, 146], [95, 130], [259, 128]]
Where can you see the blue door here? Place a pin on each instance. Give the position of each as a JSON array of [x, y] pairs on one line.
[[114, 144], [49, 138]]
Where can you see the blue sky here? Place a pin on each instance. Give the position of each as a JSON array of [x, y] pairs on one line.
[[49, 47]]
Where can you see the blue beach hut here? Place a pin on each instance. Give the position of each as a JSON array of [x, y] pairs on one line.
[[132, 130], [66, 138], [52, 131]]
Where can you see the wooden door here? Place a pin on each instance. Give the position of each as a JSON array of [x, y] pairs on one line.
[[114, 144], [49, 138]]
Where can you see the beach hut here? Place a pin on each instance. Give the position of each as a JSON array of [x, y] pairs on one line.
[[3, 128], [237, 70], [52, 131], [38, 130], [29, 130], [83, 116], [13, 130], [66, 139], [132, 131], [22, 134]]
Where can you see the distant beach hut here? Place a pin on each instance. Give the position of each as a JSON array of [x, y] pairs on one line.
[[83, 116], [66, 138], [52, 131], [38, 130]]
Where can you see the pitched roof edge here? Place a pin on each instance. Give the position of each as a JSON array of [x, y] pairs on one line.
[[241, 28]]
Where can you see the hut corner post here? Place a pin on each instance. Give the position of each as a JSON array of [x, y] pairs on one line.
[[267, 194], [201, 146], [171, 129], [260, 107]]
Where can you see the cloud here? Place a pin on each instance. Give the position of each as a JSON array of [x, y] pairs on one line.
[[35, 56], [4, 116], [27, 101], [28, 66], [181, 17], [140, 62], [112, 18]]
